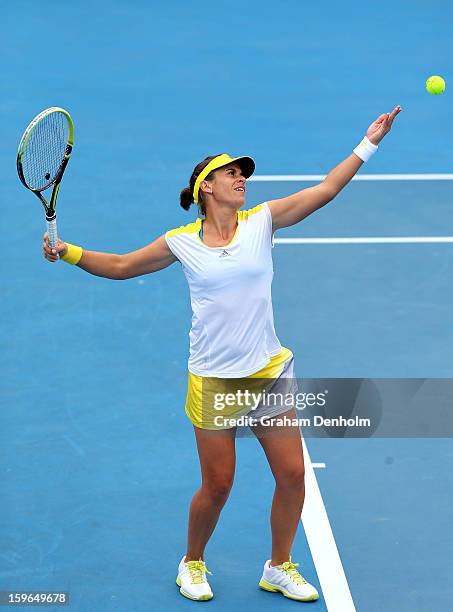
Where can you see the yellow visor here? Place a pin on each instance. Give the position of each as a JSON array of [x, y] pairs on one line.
[[246, 164]]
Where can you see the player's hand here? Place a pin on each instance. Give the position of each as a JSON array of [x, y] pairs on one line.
[[382, 126], [53, 254]]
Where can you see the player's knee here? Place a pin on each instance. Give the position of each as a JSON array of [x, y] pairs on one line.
[[292, 477], [219, 487]]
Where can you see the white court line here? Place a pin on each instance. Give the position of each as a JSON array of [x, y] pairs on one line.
[[358, 177], [368, 240], [323, 548], [318, 465]]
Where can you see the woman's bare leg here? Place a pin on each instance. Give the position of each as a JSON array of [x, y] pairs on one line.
[[217, 453], [284, 452]]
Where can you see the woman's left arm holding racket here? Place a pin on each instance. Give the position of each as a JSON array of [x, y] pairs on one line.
[[151, 258]]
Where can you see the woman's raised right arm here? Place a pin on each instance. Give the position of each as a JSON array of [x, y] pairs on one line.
[[151, 258]]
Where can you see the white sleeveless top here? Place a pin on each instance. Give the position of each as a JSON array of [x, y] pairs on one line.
[[232, 333]]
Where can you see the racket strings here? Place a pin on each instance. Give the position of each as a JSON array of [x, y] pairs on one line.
[[45, 150]]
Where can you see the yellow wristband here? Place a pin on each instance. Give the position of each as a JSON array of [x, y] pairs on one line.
[[73, 254]]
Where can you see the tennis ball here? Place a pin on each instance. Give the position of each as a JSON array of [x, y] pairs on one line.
[[435, 85]]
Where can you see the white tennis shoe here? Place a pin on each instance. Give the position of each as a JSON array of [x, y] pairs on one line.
[[192, 581], [286, 579]]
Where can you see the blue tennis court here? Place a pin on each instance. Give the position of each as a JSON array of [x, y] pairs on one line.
[[97, 457]]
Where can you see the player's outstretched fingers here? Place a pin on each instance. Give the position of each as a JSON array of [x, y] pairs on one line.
[[394, 113]]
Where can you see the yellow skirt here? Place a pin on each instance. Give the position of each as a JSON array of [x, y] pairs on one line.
[[209, 398]]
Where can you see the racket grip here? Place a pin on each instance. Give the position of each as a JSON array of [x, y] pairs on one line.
[[52, 232]]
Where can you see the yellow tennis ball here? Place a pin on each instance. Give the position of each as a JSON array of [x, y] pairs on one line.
[[435, 85]]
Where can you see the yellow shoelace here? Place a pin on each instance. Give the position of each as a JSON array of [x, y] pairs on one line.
[[196, 569], [290, 568]]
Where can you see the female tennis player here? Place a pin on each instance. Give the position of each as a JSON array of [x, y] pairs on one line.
[[226, 258]]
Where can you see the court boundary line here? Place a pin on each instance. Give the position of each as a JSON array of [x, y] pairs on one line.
[[362, 239], [323, 548], [358, 177], [368, 240]]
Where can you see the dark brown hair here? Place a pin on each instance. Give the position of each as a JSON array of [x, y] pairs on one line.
[[186, 195]]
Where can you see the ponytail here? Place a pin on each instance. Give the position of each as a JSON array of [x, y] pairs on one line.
[[186, 198]]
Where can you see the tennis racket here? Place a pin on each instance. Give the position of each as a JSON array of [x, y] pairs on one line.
[[44, 152]]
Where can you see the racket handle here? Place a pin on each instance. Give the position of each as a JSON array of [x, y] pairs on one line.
[[52, 232]]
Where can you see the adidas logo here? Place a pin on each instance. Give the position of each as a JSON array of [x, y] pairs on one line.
[[224, 253]]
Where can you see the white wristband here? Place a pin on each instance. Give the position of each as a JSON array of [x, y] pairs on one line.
[[365, 149]]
